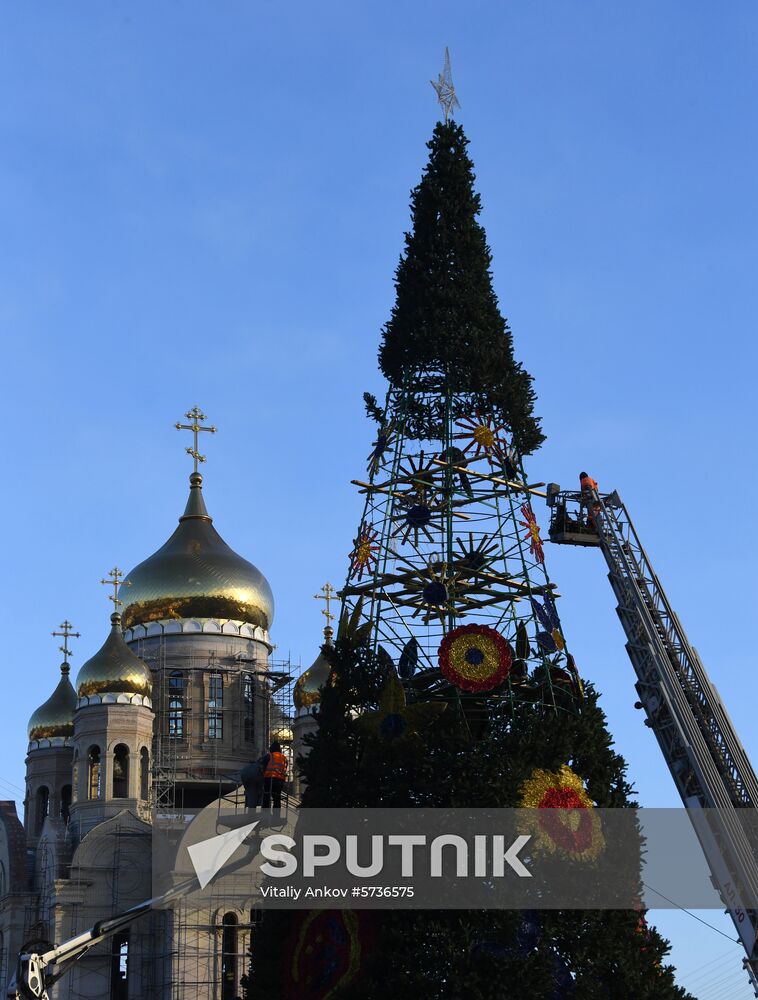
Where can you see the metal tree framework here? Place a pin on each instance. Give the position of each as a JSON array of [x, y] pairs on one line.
[[448, 564]]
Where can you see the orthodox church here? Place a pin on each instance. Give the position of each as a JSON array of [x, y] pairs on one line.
[[161, 719]]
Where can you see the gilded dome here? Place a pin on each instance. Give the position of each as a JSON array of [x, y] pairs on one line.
[[282, 733], [280, 727], [307, 690], [114, 669], [196, 575], [55, 718]]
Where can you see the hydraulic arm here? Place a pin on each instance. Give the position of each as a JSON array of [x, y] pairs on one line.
[[37, 971], [702, 750]]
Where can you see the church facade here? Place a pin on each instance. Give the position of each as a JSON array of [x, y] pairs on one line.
[[158, 724]]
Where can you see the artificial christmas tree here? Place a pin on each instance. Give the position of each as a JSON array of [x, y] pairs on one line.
[[452, 682]]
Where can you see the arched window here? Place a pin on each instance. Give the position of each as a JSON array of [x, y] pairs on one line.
[[93, 772], [42, 807], [3, 885], [229, 971], [248, 707], [65, 803], [75, 776], [176, 704], [121, 772], [215, 707], [144, 773]]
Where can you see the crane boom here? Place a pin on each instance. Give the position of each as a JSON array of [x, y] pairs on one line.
[[37, 971], [699, 743]]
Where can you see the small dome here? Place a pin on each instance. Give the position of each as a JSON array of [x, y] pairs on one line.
[[307, 691], [196, 575], [282, 733], [280, 727], [114, 669], [55, 718]]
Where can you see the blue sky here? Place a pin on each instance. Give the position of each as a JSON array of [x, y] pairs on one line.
[[206, 202]]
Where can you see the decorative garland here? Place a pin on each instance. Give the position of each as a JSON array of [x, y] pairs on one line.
[[532, 533], [567, 821], [551, 640], [484, 436], [326, 954], [475, 658], [364, 554]]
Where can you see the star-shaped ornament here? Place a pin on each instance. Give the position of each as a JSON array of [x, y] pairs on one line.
[[445, 89], [395, 719]]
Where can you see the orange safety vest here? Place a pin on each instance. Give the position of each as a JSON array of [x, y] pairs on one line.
[[276, 766], [587, 483]]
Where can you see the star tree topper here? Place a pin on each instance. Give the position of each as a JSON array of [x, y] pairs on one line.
[[445, 89]]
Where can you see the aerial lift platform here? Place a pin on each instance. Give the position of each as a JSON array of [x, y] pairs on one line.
[[701, 748]]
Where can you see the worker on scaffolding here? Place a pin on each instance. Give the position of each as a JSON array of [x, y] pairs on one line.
[[274, 776], [252, 781], [588, 485]]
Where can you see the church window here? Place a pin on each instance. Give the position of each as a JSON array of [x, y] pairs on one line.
[[93, 773], [121, 772], [120, 967], [43, 806], [229, 962], [215, 707], [176, 705], [248, 703], [144, 773], [65, 802], [75, 776]]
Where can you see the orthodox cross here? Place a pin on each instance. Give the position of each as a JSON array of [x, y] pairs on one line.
[[445, 89], [67, 633], [327, 594], [115, 579], [196, 416]]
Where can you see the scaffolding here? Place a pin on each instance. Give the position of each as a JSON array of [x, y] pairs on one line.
[[190, 954], [449, 546]]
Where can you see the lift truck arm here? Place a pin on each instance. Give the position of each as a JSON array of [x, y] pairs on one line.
[[37, 971], [701, 748]]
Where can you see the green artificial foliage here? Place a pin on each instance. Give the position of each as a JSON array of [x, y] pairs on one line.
[[447, 353], [471, 955], [446, 334], [373, 409]]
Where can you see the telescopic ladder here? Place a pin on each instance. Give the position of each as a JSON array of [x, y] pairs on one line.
[[699, 743]]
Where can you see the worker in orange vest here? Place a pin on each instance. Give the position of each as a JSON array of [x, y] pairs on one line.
[[587, 484], [274, 775]]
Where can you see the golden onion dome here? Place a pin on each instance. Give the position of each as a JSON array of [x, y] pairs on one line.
[[55, 718], [196, 575], [114, 669], [282, 734], [280, 726], [307, 690]]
